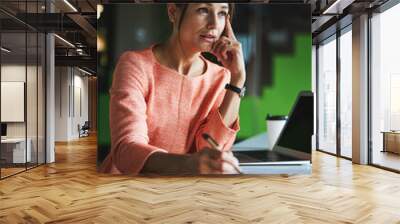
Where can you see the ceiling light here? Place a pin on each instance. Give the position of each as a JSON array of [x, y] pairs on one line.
[[100, 9], [70, 5], [337, 7], [65, 41], [79, 51], [5, 50], [86, 72]]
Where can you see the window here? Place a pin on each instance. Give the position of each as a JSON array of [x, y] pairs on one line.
[[385, 88], [346, 92], [23, 79], [327, 95]]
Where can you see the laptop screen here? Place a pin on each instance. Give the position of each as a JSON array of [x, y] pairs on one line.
[[295, 138]]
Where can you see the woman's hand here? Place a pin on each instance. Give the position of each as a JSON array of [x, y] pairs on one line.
[[228, 51], [212, 161]]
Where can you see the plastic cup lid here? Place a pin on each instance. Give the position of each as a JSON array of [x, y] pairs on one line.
[[276, 117]]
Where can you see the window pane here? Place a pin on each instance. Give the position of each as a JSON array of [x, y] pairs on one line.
[[346, 94], [327, 96], [41, 98], [386, 88], [14, 153], [31, 97]]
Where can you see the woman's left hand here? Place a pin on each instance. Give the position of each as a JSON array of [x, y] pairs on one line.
[[228, 51]]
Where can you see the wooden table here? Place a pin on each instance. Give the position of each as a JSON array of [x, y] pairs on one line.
[[391, 141]]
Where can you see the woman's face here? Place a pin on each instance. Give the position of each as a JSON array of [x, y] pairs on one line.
[[202, 25]]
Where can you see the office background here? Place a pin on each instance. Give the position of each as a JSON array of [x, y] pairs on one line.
[[277, 51], [22, 77], [336, 52]]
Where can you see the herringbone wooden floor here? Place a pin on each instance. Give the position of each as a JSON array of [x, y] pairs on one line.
[[70, 191]]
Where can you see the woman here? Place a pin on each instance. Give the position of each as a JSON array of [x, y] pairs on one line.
[[164, 98]]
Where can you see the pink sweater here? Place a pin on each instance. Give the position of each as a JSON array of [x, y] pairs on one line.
[[156, 109]]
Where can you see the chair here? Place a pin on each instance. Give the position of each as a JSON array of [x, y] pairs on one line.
[[84, 130]]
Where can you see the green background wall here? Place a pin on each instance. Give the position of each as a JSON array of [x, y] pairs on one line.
[[292, 73]]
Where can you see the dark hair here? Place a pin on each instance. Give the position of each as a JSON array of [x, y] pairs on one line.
[[183, 8]]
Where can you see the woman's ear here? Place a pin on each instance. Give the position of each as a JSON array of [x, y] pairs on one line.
[[172, 12]]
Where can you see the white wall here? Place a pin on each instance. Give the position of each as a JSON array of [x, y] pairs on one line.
[[10, 73], [13, 73], [61, 103], [34, 125], [12, 101], [16, 73], [71, 87]]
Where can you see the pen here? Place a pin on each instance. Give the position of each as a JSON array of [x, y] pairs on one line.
[[215, 145], [210, 141]]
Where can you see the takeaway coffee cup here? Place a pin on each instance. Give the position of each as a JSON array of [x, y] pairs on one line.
[[274, 127]]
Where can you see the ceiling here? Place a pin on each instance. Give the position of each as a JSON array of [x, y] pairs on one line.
[[73, 20]]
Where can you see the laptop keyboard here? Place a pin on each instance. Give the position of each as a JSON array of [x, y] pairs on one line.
[[262, 156]]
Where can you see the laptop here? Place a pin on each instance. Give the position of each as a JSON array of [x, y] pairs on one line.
[[293, 146]]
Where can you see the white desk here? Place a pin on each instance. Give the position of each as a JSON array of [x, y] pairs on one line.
[[13, 150], [260, 142]]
